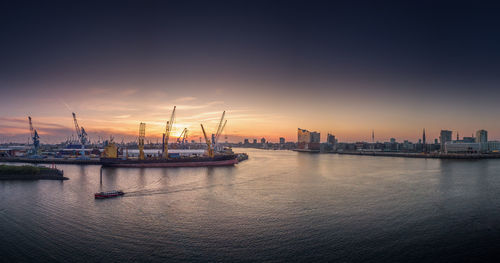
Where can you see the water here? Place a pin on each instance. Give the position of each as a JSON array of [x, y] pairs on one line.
[[277, 206]]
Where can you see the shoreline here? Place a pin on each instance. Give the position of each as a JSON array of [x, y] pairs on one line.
[[28, 172], [425, 155]]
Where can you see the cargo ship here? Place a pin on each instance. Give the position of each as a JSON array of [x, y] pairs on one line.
[[198, 161], [109, 194]]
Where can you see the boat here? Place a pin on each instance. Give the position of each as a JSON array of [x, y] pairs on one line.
[[108, 194], [197, 161]]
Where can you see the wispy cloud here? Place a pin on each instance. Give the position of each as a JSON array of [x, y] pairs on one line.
[[185, 99], [128, 92], [123, 116], [192, 107]]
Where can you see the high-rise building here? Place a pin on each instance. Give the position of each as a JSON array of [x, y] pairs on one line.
[[254, 141], [445, 136], [282, 140], [482, 136], [263, 140], [330, 138], [315, 137], [246, 141], [303, 136]]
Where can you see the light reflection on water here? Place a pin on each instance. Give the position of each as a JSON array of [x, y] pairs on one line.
[[278, 205]]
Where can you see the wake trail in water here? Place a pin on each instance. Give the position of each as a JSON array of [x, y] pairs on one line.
[[149, 192], [136, 187]]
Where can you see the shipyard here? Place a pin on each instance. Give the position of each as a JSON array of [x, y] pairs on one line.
[[108, 153]]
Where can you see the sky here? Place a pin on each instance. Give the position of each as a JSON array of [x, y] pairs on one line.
[[274, 66]]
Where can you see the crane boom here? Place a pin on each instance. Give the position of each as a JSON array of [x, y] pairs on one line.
[[31, 126], [220, 123], [220, 128], [210, 150], [220, 132], [82, 135], [34, 138], [142, 135], [182, 136], [168, 130], [77, 128]]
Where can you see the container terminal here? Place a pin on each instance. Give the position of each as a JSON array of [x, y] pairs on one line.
[[112, 154]]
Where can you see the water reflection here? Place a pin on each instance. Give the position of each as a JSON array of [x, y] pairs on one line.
[[277, 206]]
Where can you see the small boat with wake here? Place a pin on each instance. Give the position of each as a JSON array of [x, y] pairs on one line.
[[108, 194]]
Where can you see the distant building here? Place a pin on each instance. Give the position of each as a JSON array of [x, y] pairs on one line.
[[282, 140], [462, 147], [468, 139], [303, 136], [482, 136], [315, 137], [493, 146], [246, 141], [308, 140], [393, 140], [330, 139], [263, 140], [254, 141], [444, 137]]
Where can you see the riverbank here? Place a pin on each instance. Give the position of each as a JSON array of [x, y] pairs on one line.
[[94, 161], [28, 172], [464, 156]]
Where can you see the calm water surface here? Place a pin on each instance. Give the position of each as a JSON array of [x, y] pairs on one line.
[[277, 206]]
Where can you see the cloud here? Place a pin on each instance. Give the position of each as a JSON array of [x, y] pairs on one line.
[[123, 116], [192, 107], [66, 105], [129, 92], [185, 99]]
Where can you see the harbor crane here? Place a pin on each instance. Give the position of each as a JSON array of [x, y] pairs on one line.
[[220, 129], [213, 144], [35, 139], [166, 135], [210, 150], [142, 134], [82, 136], [183, 137]]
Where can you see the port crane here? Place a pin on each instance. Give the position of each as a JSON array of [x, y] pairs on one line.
[[142, 134], [183, 137], [212, 144], [82, 136], [166, 135], [35, 138], [210, 150], [220, 128]]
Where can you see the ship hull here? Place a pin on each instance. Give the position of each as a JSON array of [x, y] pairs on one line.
[[170, 163]]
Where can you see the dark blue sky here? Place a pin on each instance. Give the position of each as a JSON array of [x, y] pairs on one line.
[[443, 56], [386, 41]]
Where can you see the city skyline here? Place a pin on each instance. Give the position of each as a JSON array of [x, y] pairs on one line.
[[328, 67]]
